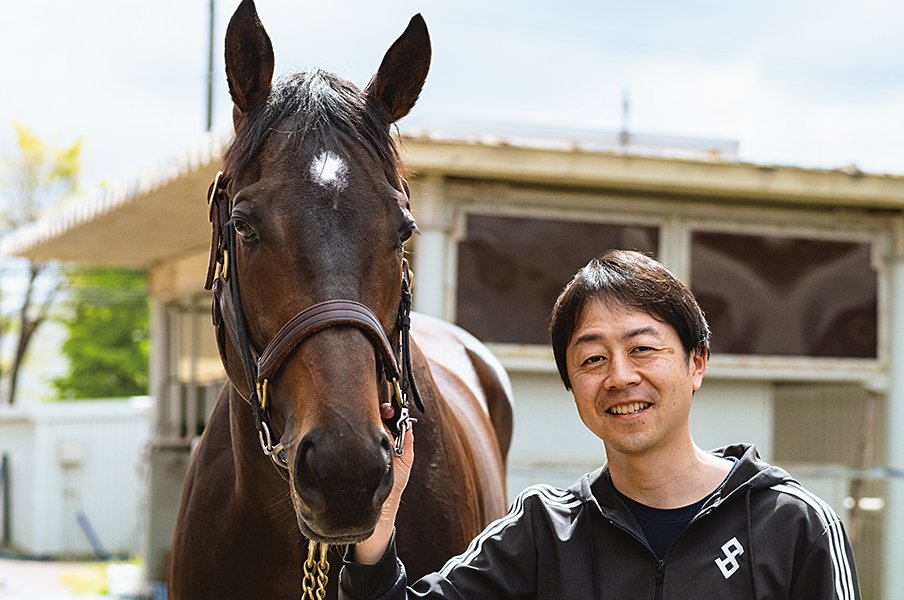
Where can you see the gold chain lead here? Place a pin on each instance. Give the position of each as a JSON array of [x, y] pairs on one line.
[[313, 586]]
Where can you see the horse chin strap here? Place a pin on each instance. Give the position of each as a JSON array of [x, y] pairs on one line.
[[229, 320]]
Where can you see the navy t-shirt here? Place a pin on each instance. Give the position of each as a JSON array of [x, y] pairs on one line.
[[662, 526]]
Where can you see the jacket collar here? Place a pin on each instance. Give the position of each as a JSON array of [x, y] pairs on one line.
[[752, 472]]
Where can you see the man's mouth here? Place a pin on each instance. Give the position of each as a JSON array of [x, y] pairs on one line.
[[629, 408]]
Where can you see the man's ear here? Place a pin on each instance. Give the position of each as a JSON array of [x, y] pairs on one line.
[[698, 362]]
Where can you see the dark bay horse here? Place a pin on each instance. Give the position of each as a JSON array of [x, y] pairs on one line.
[[311, 294]]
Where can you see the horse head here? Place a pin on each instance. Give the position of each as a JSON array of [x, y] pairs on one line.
[[318, 214]]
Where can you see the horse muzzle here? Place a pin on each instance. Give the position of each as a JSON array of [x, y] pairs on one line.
[[339, 483]]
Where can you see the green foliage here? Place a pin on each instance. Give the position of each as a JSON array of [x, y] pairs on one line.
[[108, 341], [34, 180]]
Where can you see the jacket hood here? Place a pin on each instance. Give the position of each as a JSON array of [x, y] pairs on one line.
[[752, 472]]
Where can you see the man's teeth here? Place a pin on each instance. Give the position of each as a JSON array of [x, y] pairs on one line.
[[627, 409]]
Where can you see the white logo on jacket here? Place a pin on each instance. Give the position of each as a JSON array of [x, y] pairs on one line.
[[729, 564]]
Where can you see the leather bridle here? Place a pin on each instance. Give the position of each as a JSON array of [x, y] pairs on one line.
[[229, 320]]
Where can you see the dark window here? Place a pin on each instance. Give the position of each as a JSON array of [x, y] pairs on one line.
[[786, 296], [511, 270]]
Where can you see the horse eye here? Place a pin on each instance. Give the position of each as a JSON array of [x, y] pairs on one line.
[[406, 234], [245, 231]]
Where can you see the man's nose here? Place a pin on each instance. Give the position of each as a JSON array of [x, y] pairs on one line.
[[621, 373]]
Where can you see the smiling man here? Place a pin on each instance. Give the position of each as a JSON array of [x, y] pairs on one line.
[[663, 518]]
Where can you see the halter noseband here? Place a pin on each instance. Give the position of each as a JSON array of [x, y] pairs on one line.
[[229, 319]]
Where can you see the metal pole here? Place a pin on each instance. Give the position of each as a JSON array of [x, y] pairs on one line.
[[5, 494], [430, 260], [893, 555], [210, 67]]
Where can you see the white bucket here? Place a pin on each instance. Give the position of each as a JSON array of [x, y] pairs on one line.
[[124, 579]]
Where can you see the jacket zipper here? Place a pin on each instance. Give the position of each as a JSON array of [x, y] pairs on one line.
[[660, 562], [718, 500], [660, 575]]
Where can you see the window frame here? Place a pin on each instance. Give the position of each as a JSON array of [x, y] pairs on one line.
[[677, 219], [813, 225]]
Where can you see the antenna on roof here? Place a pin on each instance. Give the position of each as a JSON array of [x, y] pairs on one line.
[[211, 26], [624, 137]]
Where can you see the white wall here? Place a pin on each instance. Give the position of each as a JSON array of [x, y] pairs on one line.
[[72, 456], [731, 411]]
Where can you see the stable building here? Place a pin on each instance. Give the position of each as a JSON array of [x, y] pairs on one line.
[[800, 271]]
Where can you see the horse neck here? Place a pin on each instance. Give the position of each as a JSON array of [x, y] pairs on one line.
[[465, 429]]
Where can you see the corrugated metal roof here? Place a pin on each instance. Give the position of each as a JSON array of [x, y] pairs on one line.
[[161, 215], [105, 211]]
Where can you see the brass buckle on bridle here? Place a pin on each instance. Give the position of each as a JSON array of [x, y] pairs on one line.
[[214, 191]]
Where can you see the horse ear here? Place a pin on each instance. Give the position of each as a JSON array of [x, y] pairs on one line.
[[249, 58], [401, 75]]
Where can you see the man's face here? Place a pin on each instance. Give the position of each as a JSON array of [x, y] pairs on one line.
[[631, 378]]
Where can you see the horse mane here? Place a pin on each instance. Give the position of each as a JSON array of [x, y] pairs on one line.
[[322, 105]]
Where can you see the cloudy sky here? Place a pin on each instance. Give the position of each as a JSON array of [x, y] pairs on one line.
[[794, 83]]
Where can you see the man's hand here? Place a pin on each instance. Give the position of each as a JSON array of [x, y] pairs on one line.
[[372, 549]]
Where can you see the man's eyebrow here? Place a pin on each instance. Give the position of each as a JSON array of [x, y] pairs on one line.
[[587, 338], [590, 338], [649, 330]]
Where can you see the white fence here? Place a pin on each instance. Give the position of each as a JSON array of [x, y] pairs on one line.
[[73, 482]]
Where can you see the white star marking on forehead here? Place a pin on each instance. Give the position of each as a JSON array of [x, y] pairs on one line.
[[329, 170]]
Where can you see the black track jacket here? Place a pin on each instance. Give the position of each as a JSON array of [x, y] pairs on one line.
[[760, 536]]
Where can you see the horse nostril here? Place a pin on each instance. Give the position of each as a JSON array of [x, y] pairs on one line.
[[307, 481]]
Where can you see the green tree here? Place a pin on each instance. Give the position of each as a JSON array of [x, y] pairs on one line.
[[33, 181], [108, 340]]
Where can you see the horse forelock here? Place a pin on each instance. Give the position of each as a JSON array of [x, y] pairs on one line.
[[327, 111]]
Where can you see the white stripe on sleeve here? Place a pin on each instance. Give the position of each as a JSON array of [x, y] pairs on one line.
[[551, 495], [841, 568]]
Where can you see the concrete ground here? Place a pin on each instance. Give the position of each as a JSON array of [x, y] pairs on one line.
[[50, 580]]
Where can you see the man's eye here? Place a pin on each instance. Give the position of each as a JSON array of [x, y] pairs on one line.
[[592, 359]]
